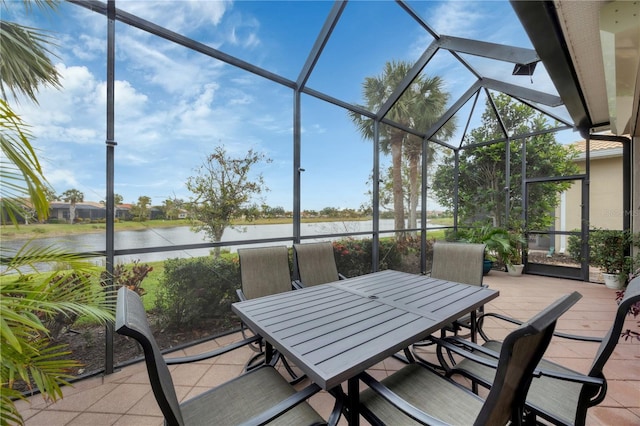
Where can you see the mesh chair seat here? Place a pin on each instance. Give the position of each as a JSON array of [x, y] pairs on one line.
[[244, 397], [462, 263], [264, 271], [316, 263], [409, 383]]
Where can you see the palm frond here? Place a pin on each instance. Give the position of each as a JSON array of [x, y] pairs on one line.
[[25, 60], [21, 173]]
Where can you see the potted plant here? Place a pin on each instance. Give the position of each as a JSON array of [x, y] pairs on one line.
[[609, 253], [515, 258], [497, 241]]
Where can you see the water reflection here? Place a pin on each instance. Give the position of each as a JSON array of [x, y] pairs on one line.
[[182, 235]]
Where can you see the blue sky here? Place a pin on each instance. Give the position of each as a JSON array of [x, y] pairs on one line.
[[173, 106]]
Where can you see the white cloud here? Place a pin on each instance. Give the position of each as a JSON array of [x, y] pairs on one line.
[[126, 98], [172, 68], [60, 178], [86, 47], [181, 16], [459, 18]]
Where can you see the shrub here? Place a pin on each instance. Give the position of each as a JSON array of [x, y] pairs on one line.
[[391, 253], [353, 256], [607, 248], [129, 276], [574, 247], [65, 282], [195, 289]]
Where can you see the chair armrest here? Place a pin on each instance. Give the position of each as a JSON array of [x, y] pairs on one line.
[[297, 284], [460, 347], [401, 404], [241, 295], [214, 353], [571, 377], [463, 347], [284, 406], [480, 320]]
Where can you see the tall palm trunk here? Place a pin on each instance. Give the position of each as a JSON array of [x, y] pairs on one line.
[[398, 193], [414, 189], [72, 213]]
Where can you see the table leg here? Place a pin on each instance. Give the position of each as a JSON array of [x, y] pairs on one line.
[[353, 401], [268, 352], [474, 331], [474, 339]]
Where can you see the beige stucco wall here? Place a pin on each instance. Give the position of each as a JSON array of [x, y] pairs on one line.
[[605, 193]]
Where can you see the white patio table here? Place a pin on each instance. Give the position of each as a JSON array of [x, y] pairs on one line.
[[335, 331]]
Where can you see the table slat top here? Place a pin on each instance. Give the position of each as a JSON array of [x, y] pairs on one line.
[[334, 331]]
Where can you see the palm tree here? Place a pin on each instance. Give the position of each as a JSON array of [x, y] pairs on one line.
[[24, 66], [428, 103], [72, 196], [419, 107], [28, 300]]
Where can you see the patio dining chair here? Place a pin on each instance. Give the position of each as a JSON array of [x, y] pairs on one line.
[[558, 394], [316, 264], [416, 394], [261, 396], [462, 263], [265, 271], [459, 262]]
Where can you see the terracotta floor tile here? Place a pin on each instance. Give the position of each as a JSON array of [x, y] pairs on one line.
[[133, 420], [121, 399], [52, 418], [95, 419]]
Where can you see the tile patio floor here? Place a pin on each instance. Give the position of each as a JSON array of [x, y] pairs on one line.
[[125, 398]]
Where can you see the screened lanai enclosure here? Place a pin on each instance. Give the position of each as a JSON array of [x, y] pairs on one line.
[[408, 120]]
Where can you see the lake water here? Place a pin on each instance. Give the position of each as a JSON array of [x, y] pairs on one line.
[[181, 235]]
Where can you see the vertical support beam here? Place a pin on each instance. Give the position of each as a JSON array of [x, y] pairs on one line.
[[626, 184], [507, 181], [523, 202], [110, 145], [297, 168], [456, 174], [584, 229], [423, 210], [375, 202]]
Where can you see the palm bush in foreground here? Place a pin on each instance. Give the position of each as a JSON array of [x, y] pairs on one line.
[[27, 302]]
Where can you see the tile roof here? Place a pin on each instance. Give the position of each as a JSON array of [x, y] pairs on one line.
[[596, 145]]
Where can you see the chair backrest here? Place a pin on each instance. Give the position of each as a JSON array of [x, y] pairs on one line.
[[459, 262], [610, 340], [131, 320], [264, 271], [521, 351], [316, 263]]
